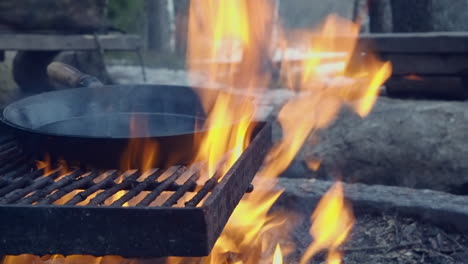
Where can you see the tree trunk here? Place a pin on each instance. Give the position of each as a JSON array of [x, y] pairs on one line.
[[158, 25], [181, 8]]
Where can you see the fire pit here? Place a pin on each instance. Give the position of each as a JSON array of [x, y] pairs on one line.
[[184, 212]]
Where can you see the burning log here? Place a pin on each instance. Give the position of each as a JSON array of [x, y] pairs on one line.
[[419, 144]]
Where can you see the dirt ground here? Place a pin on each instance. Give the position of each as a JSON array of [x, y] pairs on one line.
[[391, 239]]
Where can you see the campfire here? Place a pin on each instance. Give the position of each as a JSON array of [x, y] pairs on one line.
[[231, 44]]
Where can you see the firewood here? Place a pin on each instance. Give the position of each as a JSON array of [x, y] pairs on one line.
[[420, 144]]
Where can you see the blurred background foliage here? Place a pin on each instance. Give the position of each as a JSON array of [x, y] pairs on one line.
[[130, 16], [127, 15]]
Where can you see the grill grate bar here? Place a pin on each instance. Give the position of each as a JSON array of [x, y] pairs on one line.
[[6, 138], [21, 182], [39, 194], [12, 162], [137, 189], [175, 173], [184, 210], [37, 184], [102, 197], [20, 171], [189, 184], [207, 187], [10, 145], [81, 196], [8, 150], [83, 181], [3, 183]]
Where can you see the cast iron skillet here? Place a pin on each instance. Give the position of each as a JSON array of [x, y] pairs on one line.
[[92, 126]]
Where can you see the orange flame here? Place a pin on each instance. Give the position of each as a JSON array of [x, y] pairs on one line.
[[278, 256], [141, 153], [332, 221], [220, 30], [324, 87], [249, 234], [44, 164]]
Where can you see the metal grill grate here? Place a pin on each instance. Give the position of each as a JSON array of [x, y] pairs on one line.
[[132, 214]]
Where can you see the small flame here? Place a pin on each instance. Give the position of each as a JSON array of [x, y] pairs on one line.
[[278, 256], [332, 221], [141, 153], [251, 229], [44, 164], [313, 165]]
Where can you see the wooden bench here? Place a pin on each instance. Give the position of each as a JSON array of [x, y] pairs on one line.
[[51, 42], [42, 47]]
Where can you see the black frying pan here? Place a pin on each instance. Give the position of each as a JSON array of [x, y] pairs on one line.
[[92, 126]]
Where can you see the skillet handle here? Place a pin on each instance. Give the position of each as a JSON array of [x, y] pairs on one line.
[[69, 76]]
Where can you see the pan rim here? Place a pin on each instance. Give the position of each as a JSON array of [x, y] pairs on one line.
[[6, 121]]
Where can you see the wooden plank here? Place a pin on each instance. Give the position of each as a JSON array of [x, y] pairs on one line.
[[433, 42], [43, 42], [440, 87], [427, 64]]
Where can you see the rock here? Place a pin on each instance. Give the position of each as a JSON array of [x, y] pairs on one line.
[[419, 144], [82, 15]]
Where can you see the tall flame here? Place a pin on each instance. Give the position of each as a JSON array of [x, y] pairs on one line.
[[323, 86], [227, 30]]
